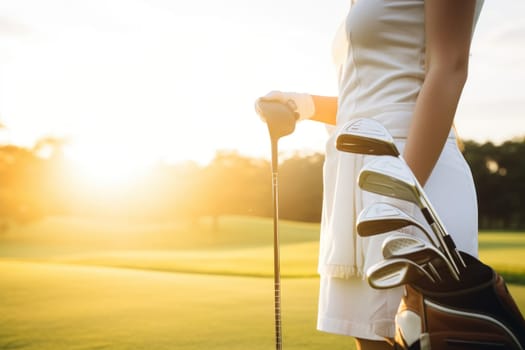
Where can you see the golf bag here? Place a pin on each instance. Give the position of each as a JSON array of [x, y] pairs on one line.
[[476, 312]]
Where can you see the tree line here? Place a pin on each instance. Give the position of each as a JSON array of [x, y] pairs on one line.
[[33, 186]]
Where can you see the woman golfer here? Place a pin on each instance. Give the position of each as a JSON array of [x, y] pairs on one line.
[[403, 63]]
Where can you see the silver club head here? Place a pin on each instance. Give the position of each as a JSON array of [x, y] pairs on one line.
[[395, 272], [400, 245], [391, 177], [382, 217], [366, 136]]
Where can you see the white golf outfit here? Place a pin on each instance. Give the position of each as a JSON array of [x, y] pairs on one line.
[[380, 55]]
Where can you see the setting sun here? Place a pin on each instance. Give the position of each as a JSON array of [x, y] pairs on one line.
[[110, 164]]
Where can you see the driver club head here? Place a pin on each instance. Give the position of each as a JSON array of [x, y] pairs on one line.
[[366, 136], [395, 272], [391, 177], [382, 217], [279, 117]]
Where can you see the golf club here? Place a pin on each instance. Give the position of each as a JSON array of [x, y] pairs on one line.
[[391, 177], [395, 272], [400, 245], [382, 217], [368, 136], [280, 119]]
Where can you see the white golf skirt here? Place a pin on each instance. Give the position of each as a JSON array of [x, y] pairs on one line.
[[350, 306]]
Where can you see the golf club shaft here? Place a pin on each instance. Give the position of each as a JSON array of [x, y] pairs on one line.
[[434, 272], [276, 255], [449, 243]]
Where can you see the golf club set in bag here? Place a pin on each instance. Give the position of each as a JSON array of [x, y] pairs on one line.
[[451, 299]]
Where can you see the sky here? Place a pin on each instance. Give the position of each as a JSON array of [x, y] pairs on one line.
[[138, 81]]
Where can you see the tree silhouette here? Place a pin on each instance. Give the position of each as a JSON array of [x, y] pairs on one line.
[[40, 181], [499, 172]]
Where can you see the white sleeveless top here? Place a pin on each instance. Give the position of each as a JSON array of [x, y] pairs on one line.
[[379, 53]]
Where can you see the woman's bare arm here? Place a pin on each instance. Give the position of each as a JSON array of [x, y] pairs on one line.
[[325, 109], [448, 27]]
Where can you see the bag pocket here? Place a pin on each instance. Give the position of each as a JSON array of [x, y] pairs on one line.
[[455, 329]]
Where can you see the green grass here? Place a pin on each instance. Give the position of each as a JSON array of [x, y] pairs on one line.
[[70, 283], [47, 306], [504, 253], [241, 246], [298, 261]]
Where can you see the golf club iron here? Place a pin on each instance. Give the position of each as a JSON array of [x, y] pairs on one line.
[[400, 245], [395, 272], [368, 136], [280, 119], [382, 217], [389, 176]]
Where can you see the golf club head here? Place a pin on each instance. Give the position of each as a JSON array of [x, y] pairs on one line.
[[391, 177], [395, 272], [382, 217], [400, 245], [366, 136], [279, 117]]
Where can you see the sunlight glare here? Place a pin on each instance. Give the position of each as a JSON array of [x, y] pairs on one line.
[[108, 164]]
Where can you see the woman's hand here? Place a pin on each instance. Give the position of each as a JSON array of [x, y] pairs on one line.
[[300, 103]]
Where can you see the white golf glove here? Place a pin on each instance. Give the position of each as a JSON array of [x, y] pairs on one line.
[[301, 103]]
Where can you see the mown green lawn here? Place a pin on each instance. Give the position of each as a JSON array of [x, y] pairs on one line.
[[48, 306], [81, 284]]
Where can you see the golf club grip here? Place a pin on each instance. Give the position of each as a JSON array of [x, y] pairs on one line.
[[275, 156], [278, 330]]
